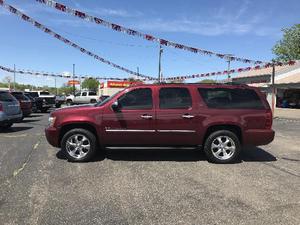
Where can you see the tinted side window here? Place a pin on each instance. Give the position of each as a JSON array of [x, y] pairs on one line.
[[174, 98], [223, 98], [92, 93], [84, 93], [137, 99], [19, 96]]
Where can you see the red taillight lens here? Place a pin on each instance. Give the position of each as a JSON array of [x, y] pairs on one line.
[[1, 108], [269, 119]]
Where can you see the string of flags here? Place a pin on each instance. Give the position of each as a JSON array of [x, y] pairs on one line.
[[225, 72], [148, 37], [47, 74], [68, 42], [219, 73]]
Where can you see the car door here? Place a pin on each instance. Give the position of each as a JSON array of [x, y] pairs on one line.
[[84, 98], [176, 119], [133, 122]]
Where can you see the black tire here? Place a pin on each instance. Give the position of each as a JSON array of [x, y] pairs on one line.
[[57, 105], [212, 152], [93, 101], [80, 132]]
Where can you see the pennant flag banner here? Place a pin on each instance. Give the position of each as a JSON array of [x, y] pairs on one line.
[[68, 42], [46, 74], [148, 37], [238, 70]]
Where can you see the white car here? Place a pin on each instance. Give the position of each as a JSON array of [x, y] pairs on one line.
[[84, 97]]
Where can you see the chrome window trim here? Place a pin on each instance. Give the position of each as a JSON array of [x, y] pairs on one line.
[[176, 131], [129, 130]]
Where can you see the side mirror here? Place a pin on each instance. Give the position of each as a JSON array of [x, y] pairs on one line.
[[115, 106]]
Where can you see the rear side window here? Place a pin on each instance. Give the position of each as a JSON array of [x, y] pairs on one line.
[[137, 99], [223, 98], [19, 96], [92, 93], [6, 97], [174, 98], [84, 94]]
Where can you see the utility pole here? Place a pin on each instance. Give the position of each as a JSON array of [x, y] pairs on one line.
[[55, 85], [273, 88], [14, 77], [138, 72], [74, 79], [159, 64]]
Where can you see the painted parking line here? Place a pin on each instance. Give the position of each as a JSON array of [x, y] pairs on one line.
[[14, 136]]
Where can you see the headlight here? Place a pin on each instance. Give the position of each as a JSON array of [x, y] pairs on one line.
[[51, 121]]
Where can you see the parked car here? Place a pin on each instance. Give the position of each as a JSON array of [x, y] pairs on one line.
[[44, 100], [59, 100], [84, 97], [10, 110], [33, 102], [25, 103], [220, 118]]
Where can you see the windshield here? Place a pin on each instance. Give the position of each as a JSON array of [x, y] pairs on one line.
[[107, 99]]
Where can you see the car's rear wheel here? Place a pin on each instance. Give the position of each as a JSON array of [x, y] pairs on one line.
[[93, 101], [222, 146], [79, 145]]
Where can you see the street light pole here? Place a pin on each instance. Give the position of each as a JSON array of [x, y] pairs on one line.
[[159, 64], [14, 77], [228, 67]]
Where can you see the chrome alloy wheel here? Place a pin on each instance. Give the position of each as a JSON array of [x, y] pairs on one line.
[[78, 146], [223, 147]]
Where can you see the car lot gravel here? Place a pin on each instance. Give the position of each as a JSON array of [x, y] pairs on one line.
[[39, 186]]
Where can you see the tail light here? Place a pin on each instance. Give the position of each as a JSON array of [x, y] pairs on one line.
[[269, 119], [1, 108]]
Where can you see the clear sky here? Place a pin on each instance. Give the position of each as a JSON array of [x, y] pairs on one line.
[[246, 28]]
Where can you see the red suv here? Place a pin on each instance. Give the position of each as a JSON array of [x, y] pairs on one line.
[[218, 117]]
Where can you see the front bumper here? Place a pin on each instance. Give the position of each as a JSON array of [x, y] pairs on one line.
[[52, 135], [256, 137]]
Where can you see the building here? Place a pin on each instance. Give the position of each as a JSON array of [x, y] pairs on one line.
[[111, 87], [286, 83]]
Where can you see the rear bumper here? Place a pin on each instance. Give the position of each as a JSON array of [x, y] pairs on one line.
[[4, 119], [52, 135], [256, 137]]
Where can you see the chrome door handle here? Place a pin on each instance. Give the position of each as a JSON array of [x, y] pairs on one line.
[[147, 117], [187, 116]]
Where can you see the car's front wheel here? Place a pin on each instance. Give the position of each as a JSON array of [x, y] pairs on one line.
[[222, 146], [79, 145]]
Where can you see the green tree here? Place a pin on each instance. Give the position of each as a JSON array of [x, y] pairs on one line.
[[207, 81], [288, 48], [90, 84]]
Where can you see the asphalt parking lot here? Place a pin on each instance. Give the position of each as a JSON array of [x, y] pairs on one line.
[[39, 186]]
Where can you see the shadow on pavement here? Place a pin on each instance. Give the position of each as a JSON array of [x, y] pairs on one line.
[[35, 115], [248, 155], [14, 129], [256, 154], [156, 155]]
